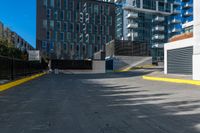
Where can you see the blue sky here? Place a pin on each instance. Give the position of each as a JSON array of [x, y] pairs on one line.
[[20, 16]]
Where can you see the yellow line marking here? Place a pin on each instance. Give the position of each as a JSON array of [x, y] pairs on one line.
[[20, 81], [172, 80]]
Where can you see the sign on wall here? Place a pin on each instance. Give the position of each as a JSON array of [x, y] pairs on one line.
[[34, 55]]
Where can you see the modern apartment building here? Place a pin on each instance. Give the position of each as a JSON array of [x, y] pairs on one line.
[[145, 21], [181, 20], [13, 38], [74, 29]]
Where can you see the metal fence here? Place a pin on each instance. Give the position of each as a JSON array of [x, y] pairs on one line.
[[11, 69], [71, 64]]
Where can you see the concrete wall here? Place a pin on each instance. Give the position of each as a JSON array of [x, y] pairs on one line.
[[176, 45], [196, 55], [123, 62], [98, 66]]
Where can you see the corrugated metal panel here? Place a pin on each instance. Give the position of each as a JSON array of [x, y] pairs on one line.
[[179, 61]]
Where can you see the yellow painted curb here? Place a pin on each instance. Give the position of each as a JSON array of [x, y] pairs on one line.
[[18, 82], [172, 80]]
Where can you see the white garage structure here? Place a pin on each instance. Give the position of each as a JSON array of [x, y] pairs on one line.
[[183, 57], [178, 57]]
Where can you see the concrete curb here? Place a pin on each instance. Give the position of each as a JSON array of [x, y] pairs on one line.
[[172, 80], [20, 81]]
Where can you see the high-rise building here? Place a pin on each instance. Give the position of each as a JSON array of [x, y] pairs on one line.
[[181, 20], [74, 29], [144, 21]]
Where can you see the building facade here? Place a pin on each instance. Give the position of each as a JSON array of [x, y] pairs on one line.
[[74, 29], [145, 21], [181, 20], [14, 39], [153, 22]]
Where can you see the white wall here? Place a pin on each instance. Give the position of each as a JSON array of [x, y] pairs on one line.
[[98, 66], [176, 45], [196, 55]]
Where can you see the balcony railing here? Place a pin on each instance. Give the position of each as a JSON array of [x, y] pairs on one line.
[[187, 5], [159, 28], [133, 34], [159, 19], [175, 21], [132, 15], [158, 37], [132, 25]]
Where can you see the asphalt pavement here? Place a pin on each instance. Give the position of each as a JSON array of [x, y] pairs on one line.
[[100, 103]]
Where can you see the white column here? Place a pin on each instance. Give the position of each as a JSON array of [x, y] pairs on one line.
[[196, 54]]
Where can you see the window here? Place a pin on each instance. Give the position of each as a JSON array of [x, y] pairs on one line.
[[58, 25], [58, 4], [87, 38], [49, 13], [52, 24], [104, 40], [99, 39], [44, 45], [56, 15], [77, 48], [45, 2], [65, 46], [55, 36], [102, 30], [69, 15], [62, 36], [48, 35], [45, 24], [62, 14], [90, 28], [107, 30], [78, 27], [110, 20], [51, 46], [52, 3], [93, 39], [96, 9], [96, 29], [65, 26], [68, 36], [81, 38], [107, 10], [71, 27]]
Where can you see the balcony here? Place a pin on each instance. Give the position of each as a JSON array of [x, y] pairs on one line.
[[132, 15], [159, 28], [134, 34], [177, 3], [159, 19], [132, 26], [158, 37], [175, 21], [187, 6], [175, 30], [187, 14], [176, 11]]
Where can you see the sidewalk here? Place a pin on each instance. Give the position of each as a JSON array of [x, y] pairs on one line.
[[172, 78]]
